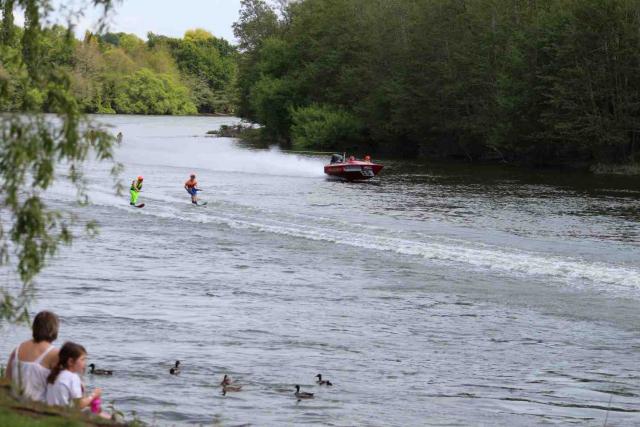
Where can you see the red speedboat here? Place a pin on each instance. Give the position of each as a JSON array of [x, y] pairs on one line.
[[352, 169]]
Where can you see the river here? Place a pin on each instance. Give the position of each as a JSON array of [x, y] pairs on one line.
[[433, 295]]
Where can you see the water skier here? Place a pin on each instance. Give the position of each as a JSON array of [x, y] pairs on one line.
[[134, 191], [191, 185]]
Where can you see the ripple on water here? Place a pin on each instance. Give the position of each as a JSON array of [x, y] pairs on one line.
[[437, 296]]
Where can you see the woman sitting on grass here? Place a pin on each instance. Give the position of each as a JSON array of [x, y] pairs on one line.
[[30, 363], [64, 387]]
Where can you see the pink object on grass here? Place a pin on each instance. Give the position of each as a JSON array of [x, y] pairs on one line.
[[95, 405]]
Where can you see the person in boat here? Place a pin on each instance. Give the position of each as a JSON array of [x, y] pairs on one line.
[[352, 159], [336, 158], [31, 362], [134, 191], [367, 158], [191, 185]]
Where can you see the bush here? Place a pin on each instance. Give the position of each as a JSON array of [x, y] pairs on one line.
[[146, 92], [270, 99], [323, 127]]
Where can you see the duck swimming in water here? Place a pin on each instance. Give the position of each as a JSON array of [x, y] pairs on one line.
[[302, 394], [320, 381], [231, 388], [228, 387], [95, 371], [176, 369], [225, 380]]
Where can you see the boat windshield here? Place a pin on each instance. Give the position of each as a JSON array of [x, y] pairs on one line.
[[336, 158]]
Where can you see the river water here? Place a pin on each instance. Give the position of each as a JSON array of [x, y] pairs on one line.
[[433, 295]]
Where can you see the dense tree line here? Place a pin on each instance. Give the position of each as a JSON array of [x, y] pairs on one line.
[[542, 81], [120, 73]]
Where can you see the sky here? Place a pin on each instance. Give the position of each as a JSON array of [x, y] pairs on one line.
[[170, 18]]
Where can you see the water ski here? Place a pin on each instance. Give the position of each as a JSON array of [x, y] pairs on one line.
[[141, 205], [202, 203]]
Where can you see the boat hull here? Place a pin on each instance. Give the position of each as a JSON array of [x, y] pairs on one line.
[[356, 171]]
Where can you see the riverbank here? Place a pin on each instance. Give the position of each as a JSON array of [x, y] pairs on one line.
[[628, 170], [255, 137], [21, 414]]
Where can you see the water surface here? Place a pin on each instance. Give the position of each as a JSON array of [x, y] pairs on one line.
[[434, 295]]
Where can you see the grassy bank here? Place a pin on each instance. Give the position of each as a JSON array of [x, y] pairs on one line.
[[21, 414]]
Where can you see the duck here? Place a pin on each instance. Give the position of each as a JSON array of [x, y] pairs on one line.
[[302, 394], [227, 386], [176, 369], [320, 381], [231, 388], [95, 371], [225, 380]]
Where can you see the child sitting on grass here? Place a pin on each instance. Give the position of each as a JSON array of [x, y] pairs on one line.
[[64, 387]]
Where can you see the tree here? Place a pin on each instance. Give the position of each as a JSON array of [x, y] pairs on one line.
[[32, 146], [544, 82], [197, 35], [321, 127], [207, 64], [146, 92], [257, 21]]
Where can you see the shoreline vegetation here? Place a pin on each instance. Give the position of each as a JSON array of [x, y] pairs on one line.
[[609, 169], [255, 137], [551, 83], [119, 73], [33, 414]]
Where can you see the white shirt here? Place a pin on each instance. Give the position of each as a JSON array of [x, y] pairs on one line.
[[30, 378], [66, 388]]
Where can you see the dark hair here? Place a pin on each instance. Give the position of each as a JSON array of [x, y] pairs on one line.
[[69, 351], [45, 327]]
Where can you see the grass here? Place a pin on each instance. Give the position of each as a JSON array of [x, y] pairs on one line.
[[10, 418], [33, 414]]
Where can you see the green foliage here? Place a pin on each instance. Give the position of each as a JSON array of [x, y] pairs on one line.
[[271, 99], [8, 28], [323, 127], [200, 65], [145, 92], [198, 35], [208, 65], [546, 82], [17, 413], [13, 419], [257, 21], [34, 147]]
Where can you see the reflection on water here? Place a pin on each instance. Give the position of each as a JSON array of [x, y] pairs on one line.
[[436, 294]]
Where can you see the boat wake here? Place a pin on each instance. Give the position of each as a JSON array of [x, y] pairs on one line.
[[218, 155], [437, 249], [469, 255]]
